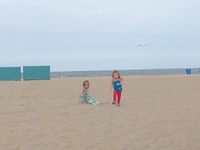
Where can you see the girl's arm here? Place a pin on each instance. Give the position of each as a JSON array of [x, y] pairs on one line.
[[84, 95], [121, 81], [111, 85]]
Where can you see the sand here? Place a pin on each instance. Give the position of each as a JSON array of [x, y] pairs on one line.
[[156, 113]]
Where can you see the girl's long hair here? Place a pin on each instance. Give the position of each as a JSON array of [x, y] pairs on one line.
[[115, 71]]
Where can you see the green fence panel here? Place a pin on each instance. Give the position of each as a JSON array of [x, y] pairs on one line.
[[36, 72], [10, 73]]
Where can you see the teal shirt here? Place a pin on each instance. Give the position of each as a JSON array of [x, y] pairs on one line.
[[117, 86]]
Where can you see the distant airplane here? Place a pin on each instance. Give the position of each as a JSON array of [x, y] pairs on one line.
[[143, 45]]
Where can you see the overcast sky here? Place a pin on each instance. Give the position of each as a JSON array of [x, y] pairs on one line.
[[72, 35]]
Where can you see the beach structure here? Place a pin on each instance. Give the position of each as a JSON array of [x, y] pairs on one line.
[[10, 73], [188, 71], [36, 72]]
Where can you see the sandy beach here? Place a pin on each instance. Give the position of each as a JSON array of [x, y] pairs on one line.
[[156, 113]]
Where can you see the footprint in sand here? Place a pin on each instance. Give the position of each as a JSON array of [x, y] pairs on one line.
[[23, 96]]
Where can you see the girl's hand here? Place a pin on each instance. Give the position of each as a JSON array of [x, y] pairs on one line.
[[119, 84]]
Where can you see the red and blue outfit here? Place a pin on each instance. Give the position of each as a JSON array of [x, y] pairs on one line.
[[117, 91]]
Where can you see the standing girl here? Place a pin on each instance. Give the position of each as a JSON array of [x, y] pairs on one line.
[[117, 87]]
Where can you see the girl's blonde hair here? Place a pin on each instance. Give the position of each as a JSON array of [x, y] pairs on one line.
[[86, 81], [115, 71]]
